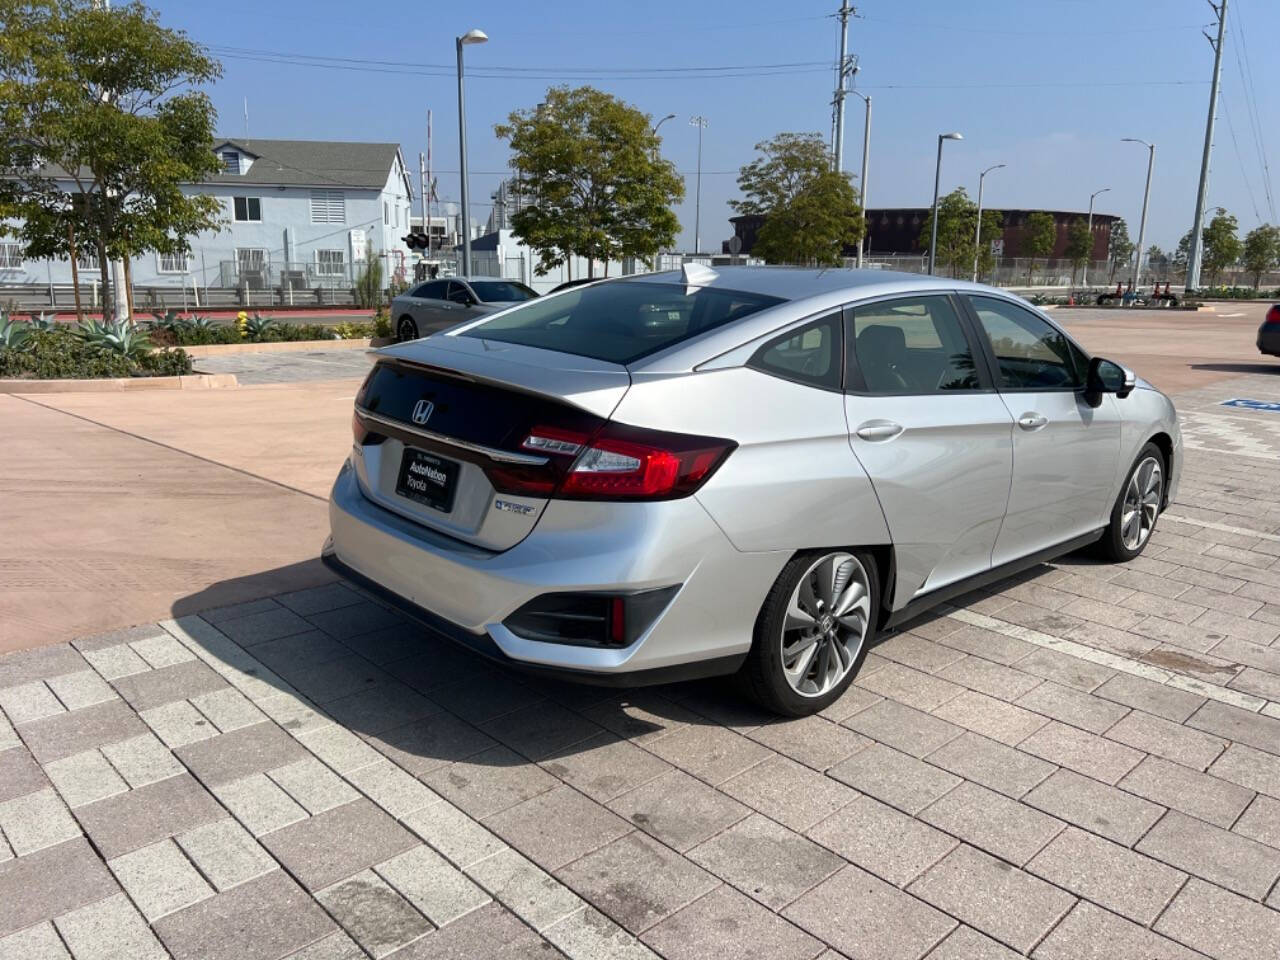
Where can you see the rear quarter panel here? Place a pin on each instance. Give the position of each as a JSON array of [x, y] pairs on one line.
[[793, 482]]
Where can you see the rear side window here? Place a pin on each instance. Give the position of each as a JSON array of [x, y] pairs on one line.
[[811, 354], [501, 291], [431, 291], [1031, 354], [916, 345], [620, 321]]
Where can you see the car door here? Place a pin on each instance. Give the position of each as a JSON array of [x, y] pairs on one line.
[[929, 428], [1065, 451], [425, 303]]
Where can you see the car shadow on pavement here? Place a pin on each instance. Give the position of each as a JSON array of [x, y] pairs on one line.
[[443, 712], [1263, 368]]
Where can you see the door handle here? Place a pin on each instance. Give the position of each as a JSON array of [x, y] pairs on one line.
[[876, 430], [1032, 421]]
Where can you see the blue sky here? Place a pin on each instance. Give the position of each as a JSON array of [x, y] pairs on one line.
[[1046, 86]]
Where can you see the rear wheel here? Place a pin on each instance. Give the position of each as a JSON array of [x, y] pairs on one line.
[[406, 329], [813, 631], [1133, 518]]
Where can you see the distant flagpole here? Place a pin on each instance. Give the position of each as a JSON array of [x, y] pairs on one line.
[[246, 118], [431, 188]]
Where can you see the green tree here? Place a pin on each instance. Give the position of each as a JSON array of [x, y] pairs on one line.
[[1261, 251], [957, 225], [1222, 246], [1079, 245], [1039, 234], [811, 213], [1183, 253], [1157, 260], [106, 98], [1119, 247], [600, 190]]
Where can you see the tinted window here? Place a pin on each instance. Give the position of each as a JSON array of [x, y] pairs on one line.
[[1030, 353], [912, 346], [811, 354], [431, 291], [501, 291], [620, 321], [458, 293]]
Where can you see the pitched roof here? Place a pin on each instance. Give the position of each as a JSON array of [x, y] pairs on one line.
[[315, 163]]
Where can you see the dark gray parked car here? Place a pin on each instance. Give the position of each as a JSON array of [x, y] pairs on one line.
[[1269, 332], [438, 304]]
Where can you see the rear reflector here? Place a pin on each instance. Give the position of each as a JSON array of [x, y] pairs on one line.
[[590, 619]]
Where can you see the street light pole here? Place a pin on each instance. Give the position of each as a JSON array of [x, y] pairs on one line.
[[470, 37], [862, 184], [701, 123], [654, 131], [1084, 281], [977, 234], [937, 182], [1142, 226]]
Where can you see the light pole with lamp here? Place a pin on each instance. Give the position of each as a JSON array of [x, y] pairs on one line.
[[1084, 281], [470, 37], [654, 130], [1142, 225], [937, 182], [977, 233], [701, 123]]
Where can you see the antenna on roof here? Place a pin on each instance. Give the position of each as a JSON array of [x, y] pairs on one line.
[[696, 274], [246, 118]]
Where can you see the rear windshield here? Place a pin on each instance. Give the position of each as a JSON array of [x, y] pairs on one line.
[[620, 322], [501, 291]]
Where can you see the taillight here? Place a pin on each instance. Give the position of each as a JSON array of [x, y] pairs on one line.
[[620, 462], [361, 433], [1273, 317]]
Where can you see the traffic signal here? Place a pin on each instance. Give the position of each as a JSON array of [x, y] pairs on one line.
[[416, 241]]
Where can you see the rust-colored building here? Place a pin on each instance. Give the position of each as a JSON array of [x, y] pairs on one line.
[[897, 231]]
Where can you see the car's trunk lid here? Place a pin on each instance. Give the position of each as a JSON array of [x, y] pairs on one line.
[[446, 419]]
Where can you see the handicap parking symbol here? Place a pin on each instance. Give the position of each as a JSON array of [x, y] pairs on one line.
[[1265, 405]]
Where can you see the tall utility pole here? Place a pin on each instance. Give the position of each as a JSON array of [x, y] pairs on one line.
[[431, 189], [862, 184], [468, 38], [701, 123], [843, 70], [1195, 254]]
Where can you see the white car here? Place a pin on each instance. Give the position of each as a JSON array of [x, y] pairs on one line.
[[693, 473], [439, 304]]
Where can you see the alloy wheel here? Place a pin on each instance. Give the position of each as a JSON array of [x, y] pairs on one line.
[[406, 330], [1141, 503], [826, 624]]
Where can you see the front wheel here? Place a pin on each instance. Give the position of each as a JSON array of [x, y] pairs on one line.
[[813, 631], [1133, 518], [406, 329]]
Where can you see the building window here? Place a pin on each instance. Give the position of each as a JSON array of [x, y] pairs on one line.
[[328, 206], [330, 263], [10, 256], [231, 161], [251, 259], [386, 213], [247, 209], [173, 262]]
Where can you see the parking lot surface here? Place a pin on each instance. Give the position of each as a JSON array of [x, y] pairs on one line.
[[1083, 762]]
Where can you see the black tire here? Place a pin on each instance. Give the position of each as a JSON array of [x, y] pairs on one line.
[[1104, 300], [1111, 545], [406, 329], [762, 674]]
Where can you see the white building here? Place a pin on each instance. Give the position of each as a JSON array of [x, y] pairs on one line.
[[299, 216]]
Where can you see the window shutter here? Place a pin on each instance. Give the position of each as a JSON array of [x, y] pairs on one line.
[[328, 206]]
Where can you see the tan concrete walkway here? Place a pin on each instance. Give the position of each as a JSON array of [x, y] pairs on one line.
[[113, 507]]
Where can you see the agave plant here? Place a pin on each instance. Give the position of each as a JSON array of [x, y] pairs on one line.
[[43, 321], [257, 327], [168, 321], [117, 336], [198, 322], [12, 333]]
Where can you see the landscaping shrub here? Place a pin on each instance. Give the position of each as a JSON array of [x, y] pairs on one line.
[[63, 354]]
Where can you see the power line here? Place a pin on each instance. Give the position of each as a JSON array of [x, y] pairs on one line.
[[1239, 41], [1240, 159]]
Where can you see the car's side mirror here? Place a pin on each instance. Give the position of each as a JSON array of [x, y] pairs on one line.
[[1107, 376]]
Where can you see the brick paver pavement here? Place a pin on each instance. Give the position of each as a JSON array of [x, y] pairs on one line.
[[1082, 762]]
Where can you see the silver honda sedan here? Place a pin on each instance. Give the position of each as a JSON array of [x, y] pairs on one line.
[[748, 470]]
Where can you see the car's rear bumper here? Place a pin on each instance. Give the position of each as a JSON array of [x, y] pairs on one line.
[[466, 593], [1269, 342]]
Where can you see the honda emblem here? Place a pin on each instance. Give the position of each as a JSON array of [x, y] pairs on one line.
[[422, 411]]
